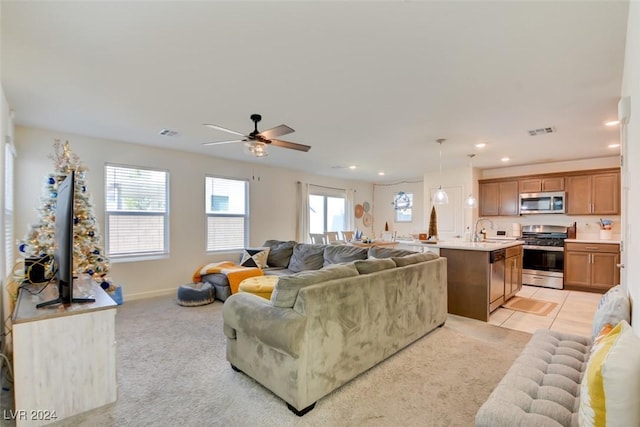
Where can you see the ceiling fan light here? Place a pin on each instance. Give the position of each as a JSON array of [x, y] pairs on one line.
[[256, 148], [440, 197]]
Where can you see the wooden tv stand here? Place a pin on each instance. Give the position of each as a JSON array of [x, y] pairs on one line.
[[64, 356]]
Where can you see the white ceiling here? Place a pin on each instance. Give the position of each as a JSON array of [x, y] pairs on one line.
[[367, 83]]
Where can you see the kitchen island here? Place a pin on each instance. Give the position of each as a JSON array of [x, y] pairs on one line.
[[481, 276]]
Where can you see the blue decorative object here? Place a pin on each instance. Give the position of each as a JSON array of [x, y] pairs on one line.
[[91, 234], [76, 220], [105, 285], [90, 272], [84, 188], [22, 247], [54, 194], [96, 252], [116, 295], [51, 181]]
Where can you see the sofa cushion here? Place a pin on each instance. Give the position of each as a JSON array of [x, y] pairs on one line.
[[287, 287], [367, 266], [336, 254], [610, 390], [279, 252], [613, 307], [306, 257], [414, 258], [255, 257], [380, 252]]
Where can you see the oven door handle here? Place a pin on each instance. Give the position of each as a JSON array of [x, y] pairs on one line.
[[544, 248]]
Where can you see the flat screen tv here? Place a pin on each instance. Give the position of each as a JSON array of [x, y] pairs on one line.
[[63, 244]]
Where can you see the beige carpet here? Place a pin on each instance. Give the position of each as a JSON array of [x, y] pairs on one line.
[[530, 305], [172, 371]]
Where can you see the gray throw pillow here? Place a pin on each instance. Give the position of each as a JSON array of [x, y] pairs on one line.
[[367, 266], [307, 257], [376, 252], [286, 290], [336, 254], [414, 258], [613, 307], [279, 252]]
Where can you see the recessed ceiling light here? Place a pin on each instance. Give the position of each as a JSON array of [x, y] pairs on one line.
[[381, 173], [505, 159], [352, 167], [481, 145], [613, 145], [612, 123]]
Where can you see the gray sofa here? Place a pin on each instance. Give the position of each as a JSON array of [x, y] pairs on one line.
[[542, 388], [324, 327], [289, 257]]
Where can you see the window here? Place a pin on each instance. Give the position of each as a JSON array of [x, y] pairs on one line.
[[326, 210], [227, 213], [403, 205], [8, 208], [137, 217]]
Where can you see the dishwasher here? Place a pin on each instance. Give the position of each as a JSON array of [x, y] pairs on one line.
[[496, 287]]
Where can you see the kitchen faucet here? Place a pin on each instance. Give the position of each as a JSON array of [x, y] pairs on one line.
[[476, 235]]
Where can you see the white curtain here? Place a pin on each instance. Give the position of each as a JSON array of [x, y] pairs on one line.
[[350, 219], [302, 228]]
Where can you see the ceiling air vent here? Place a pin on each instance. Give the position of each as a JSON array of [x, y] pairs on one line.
[[168, 132], [541, 131]]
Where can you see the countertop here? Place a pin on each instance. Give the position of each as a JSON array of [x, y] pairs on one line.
[[488, 245], [613, 242]]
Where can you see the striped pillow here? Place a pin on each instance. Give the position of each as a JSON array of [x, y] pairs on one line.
[[610, 388]]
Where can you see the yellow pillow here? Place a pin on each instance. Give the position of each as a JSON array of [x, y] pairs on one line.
[[610, 388]]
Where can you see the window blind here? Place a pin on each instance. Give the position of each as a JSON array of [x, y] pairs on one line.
[[227, 213], [8, 208], [136, 211]]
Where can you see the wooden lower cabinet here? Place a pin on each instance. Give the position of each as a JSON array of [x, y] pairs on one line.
[[591, 266], [512, 272]]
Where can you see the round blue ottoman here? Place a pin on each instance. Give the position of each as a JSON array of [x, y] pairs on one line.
[[194, 294]]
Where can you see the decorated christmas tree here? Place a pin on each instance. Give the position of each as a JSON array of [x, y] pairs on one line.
[[88, 255]]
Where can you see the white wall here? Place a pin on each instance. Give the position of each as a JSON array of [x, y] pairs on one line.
[[383, 211], [551, 167], [458, 183], [272, 203], [631, 88]]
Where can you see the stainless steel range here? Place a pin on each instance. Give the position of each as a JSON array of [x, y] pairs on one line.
[[543, 259]]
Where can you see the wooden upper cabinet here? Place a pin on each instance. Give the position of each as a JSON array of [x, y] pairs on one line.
[[490, 199], [509, 198], [499, 198], [536, 185], [597, 194]]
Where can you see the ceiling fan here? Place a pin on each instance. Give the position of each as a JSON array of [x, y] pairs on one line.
[[256, 142]]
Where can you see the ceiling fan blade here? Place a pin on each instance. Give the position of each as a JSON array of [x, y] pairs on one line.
[[292, 145], [224, 142], [224, 129], [276, 131]]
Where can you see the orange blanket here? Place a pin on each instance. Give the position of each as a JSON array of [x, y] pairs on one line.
[[235, 273]]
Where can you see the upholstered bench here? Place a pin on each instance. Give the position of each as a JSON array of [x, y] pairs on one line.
[[261, 286], [560, 379], [194, 294]]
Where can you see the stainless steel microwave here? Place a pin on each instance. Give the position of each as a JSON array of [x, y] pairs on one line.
[[542, 203]]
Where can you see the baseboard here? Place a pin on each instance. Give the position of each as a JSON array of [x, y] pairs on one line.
[[149, 294]]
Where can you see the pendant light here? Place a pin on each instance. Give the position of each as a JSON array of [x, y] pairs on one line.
[[440, 197], [471, 202]]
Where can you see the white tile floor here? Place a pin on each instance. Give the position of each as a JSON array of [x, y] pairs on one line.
[[573, 313]]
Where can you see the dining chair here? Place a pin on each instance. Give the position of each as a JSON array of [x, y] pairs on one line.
[[331, 237], [317, 238], [347, 236]]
